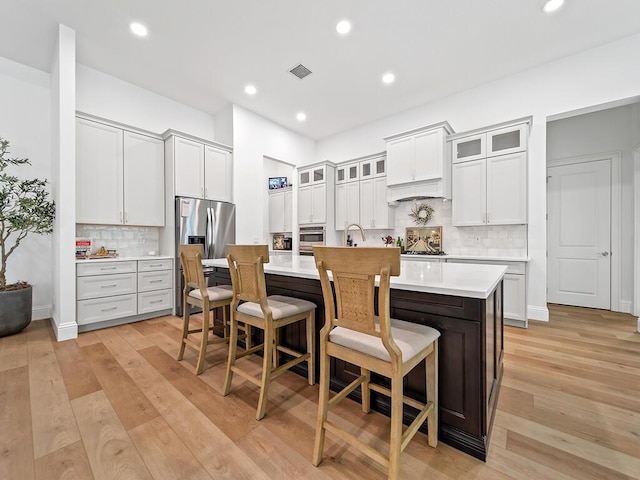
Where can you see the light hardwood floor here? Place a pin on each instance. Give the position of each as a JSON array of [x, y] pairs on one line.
[[115, 404]]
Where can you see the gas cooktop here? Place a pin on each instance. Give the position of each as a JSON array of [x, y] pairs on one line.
[[413, 252]]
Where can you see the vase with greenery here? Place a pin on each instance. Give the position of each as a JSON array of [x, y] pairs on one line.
[[25, 207]]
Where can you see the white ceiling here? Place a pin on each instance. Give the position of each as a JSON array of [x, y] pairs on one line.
[[203, 52]]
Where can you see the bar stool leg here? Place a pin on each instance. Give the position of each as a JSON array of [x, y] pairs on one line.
[[432, 394], [205, 337], [396, 426], [323, 402], [269, 338], [185, 326], [366, 391], [276, 340], [233, 349], [311, 347]]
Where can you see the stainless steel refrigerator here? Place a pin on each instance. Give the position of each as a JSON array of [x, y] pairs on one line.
[[206, 222]]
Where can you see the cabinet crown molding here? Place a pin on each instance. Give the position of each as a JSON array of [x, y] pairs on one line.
[[363, 159], [113, 123], [528, 120], [407, 133], [168, 133], [328, 163]]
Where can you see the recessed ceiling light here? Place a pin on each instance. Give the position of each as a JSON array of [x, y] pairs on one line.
[[388, 78], [343, 27], [552, 6], [139, 29], [250, 90], [301, 116]]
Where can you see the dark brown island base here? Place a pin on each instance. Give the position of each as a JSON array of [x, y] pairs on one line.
[[470, 349]]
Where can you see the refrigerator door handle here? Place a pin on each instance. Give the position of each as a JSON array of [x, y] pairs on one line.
[[208, 248]]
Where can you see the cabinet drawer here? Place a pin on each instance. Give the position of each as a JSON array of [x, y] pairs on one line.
[[105, 285], [100, 309], [517, 268], [100, 268], [154, 301], [149, 281], [154, 265]]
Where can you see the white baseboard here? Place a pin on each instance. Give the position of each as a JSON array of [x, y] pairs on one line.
[[625, 306], [41, 312], [64, 331], [638, 325], [538, 313]]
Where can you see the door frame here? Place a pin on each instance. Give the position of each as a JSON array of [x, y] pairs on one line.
[[636, 231], [616, 214]]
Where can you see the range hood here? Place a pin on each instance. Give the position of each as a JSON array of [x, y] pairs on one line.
[[419, 163], [435, 188]]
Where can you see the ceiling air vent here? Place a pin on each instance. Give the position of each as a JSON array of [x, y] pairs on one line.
[[300, 71]]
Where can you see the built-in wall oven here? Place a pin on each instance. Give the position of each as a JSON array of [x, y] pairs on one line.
[[310, 236]]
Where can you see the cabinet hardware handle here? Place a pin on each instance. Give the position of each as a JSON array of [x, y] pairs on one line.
[[108, 268], [109, 286], [121, 221], [155, 301], [155, 265], [126, 218], [604, 254], [206, 192], [110, 308], [155, 281]]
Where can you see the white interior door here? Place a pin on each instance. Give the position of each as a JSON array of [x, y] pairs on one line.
[[579, 234]]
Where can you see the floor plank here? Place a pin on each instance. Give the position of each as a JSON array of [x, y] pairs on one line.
[[164, 453], [16, 443], [67, 463], [110, 451], [13, 351], [53, 423]]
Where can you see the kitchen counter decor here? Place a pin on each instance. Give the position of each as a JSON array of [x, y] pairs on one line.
[[421, 213]]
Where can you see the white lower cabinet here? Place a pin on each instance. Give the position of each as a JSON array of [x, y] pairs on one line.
[[514, 292], [123, 290]]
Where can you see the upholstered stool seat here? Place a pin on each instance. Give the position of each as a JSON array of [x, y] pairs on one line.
[[411, 339], [280, 306], [215, 294]]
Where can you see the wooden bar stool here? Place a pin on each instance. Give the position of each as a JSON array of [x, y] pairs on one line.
[[267, 313], [379, 344], [197, 293]]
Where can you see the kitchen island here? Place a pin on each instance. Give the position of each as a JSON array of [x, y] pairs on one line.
[[462, 301]]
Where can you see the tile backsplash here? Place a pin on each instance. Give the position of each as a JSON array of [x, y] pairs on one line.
[[128, 241], [495, 240]]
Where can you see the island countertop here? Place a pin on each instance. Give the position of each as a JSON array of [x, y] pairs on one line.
[[458, 279]]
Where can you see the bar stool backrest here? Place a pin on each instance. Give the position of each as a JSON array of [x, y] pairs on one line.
[[247, 272], [191, 260]]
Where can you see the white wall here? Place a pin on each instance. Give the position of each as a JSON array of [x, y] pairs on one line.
[[611, 130], [255, 137], [109, 97], [601, 75], [25, 121], [223, 126], [63, 162]]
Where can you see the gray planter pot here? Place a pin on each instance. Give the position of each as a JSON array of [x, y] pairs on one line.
[[15, 310]]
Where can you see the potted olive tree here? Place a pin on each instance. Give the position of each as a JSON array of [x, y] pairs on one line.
[[24, 208]]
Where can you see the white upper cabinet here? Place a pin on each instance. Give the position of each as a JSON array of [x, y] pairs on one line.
[[188, 168], [313, 175], [119, 176], [312, 204], [143, 180], [99, 173], [374, 209], [347, 204], [280, 210], [316, 194], [218, 174], [491, 189], [418, 155], [364, 201], [201, 170]]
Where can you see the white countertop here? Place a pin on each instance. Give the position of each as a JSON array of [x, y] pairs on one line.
[[458, 279], [124, 259], [454, 256]]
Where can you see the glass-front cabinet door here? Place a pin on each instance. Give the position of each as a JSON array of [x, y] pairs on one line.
[[318, 174], [380, 167], [304, 177], [469, 148], [507, 140]]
